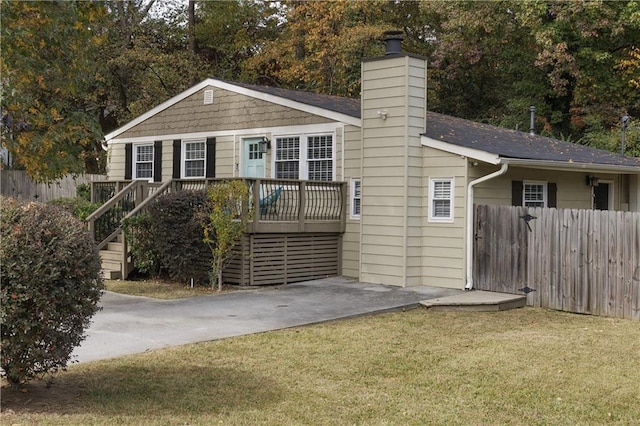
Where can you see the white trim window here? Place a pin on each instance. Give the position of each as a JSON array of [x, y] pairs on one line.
[[320, 157], [306, 157], [355, 192], [441, 198], [143, 161], [194, 156], [287, 158], [534, 194]]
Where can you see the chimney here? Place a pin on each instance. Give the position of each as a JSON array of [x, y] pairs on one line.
[[393, 41]]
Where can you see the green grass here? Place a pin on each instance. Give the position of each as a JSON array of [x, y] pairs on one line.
[[522, 367]]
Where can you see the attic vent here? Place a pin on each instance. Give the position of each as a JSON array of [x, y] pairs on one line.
[[208, 97]]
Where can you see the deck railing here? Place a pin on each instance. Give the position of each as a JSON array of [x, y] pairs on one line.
[[278, 205]]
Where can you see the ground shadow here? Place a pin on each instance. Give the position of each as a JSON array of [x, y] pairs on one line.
[[136, 389]]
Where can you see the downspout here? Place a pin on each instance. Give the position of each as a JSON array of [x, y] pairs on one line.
[[470, 239]]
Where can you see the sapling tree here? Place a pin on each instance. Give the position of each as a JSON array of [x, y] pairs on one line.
[[225, 220]]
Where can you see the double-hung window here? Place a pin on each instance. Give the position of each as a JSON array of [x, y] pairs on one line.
[[287, 158], [143, 161], [441, 200], [307, 157], [194, 158], [320, 157], [355, 198], [534, 194]]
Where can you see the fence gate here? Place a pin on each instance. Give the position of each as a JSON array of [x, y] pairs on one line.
[[583, 261]]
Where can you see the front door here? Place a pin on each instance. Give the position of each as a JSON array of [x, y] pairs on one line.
[[601, 196], [253, 161]]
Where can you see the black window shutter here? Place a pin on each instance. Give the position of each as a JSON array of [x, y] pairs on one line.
[[516, 192], [128, 160], [177, 158], [157, 161], [552, 191], [211, 158]]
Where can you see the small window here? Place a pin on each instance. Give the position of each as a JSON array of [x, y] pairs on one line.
[[143, 162], [355, 198], [534, 194], [441, 200], [194, 158], [287, 158]]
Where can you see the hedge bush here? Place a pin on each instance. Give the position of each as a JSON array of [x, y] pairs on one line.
[[50, 287], [178, 235], [80, 207]]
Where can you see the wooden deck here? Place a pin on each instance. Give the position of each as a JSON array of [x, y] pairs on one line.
[[290, 219]]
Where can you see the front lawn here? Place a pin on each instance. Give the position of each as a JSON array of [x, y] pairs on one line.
[[522, 367]]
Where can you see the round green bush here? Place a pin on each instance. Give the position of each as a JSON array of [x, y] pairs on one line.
[[51, 285]]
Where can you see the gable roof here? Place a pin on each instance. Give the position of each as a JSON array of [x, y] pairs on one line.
[[339, 104], [498, 145], [336, 108]]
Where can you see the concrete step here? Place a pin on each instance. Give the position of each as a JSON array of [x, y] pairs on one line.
[[476, 300]]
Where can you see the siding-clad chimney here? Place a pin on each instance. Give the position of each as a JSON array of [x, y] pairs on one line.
[[393, 111]]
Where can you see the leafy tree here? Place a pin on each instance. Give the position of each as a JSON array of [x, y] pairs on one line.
[[321, 46], [225, 221], [50, 77], [229, 33], [50, 287]]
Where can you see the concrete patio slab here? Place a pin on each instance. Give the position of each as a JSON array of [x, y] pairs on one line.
[[129, 324], [476, 300]]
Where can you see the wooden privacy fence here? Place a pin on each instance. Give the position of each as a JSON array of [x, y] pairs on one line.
[[18, 184], [583, 261]]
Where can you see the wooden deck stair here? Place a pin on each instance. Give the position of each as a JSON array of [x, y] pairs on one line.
[[112, 258]]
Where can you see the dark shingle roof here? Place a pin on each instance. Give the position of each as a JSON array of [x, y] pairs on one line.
[[508, 143], [347, 106]]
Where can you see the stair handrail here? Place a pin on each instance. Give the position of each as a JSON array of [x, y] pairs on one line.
[[91, 219], [161, 189]]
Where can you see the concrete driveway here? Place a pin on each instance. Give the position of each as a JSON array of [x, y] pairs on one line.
[[130, 324]]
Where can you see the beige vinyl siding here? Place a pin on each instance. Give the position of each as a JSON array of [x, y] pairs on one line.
[[573, 192], [115, 162], [224, 157], [392, 170], [229, 111], [167, 160], [443, 244], [352, 169]]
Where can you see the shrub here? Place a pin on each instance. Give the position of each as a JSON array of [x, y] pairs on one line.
[[225, 221], [50, 287], [140, 238], [84, 191], [178, 236], [79, 207]]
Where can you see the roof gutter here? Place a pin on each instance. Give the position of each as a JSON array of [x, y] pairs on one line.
[[563, 165], [503, 170]]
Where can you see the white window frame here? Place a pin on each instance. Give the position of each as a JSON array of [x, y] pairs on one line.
[[136, 162], [303, 160], [184, 159], [529, 203], [433, 198], [355, 196]]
